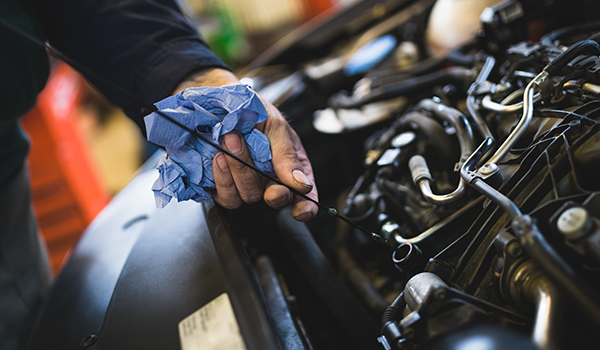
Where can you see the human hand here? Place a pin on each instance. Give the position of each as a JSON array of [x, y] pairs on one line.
[[236, 183]]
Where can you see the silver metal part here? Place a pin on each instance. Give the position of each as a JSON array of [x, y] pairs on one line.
[[403, 139], [460, 123], [591, 88], [422, 178], [419, 169], [523, 74], [472, 106], [586, 87], [440, 199], [390, 230], [515, 135], [419, 286], [529, 285], [574, 223], [488, 104], [547, 327], [388, 157], [488, 169]]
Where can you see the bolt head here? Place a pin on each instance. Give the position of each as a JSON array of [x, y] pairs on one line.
[[488, 169]]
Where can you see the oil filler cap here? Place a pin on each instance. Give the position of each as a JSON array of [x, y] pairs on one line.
[[574, 223]]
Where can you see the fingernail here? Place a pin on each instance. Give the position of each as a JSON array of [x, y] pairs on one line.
[[304, 216], [279, 202], [233, 142], [222, 162], [300, 177]]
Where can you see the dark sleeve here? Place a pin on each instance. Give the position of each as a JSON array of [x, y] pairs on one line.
[[144, 46]]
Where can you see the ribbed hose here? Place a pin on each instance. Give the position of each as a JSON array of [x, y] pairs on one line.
[[561, 33], [394, 312], [582, 47]]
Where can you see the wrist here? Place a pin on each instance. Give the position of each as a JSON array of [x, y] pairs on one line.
[[207, 77]]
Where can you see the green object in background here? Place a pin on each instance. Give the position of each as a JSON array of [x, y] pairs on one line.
[[226, 38]]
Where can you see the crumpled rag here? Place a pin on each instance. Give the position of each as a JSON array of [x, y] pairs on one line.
[[186, 171]]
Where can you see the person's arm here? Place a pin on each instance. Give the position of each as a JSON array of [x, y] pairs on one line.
[[149, 48], [145, 46], [236, 183]]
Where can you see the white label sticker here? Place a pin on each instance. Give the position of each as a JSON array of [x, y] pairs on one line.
[[213, 327]]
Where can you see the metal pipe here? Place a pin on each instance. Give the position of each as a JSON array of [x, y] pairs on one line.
[[468, 173], [591, 88], [501, 108], [529, 285], [586, 87], [523, 74], [472, 106], [547, 327], [422, 178], [513, 96], [464, 132], [440, 199], [474, 111], [528, 101], [418, 165]]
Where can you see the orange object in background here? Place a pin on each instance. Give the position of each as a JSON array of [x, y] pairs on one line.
[[315, 7], [67, 192]]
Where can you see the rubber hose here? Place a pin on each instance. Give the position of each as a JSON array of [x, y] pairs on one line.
[[435, 133], [406, 87], [394, 312], [338, 299], [560, 33], [361, 283], [582, 47], [413, 85]]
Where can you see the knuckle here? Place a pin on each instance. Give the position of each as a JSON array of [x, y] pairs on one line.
[[235, 165], [252, 196]]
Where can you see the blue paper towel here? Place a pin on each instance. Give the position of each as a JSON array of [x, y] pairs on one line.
[[186, 172]]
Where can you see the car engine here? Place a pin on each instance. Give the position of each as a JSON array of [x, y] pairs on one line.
[[477, 192]]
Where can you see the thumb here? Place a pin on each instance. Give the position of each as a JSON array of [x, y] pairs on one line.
[[288, 155]]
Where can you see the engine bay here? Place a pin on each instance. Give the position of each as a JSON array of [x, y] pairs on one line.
[[475, 187]]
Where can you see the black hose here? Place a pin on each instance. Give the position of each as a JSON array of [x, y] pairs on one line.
[[345, 309], [360, 282], [461, 59], [550, 38], [381, 77], [435, 134], [464, 132], [406, 87], [393, 313], [582, 47]]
